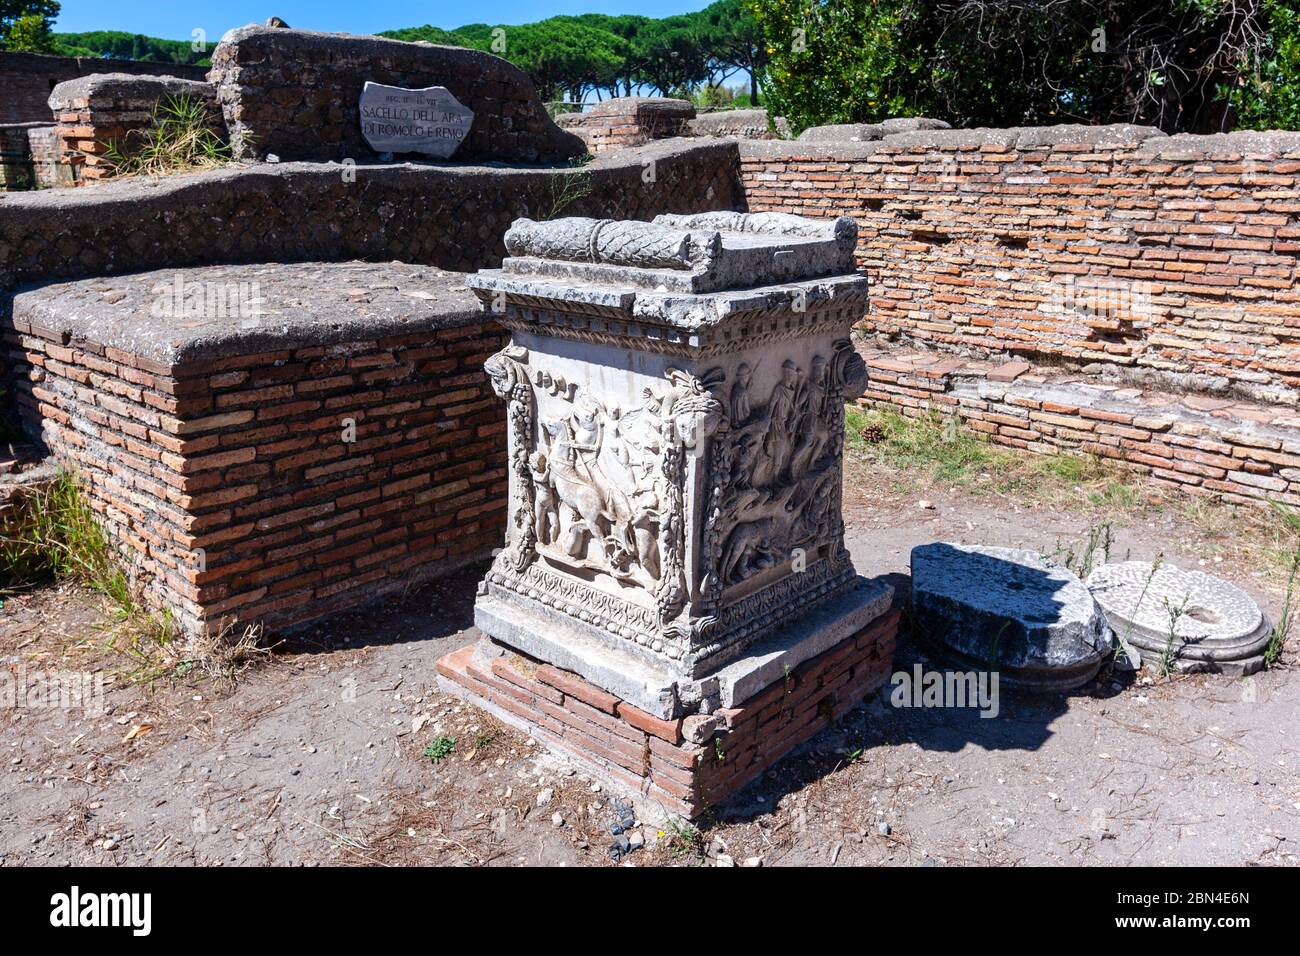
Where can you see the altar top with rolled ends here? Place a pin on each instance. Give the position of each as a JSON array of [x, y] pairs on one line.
[[690, 272]]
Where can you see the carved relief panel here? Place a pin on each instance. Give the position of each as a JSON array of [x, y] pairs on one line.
[[668, 493]]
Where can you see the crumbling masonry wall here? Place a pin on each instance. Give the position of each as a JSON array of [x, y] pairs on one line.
[[630, 121], [1172, 257], [296, 94], [453, 217], [1243, 452], [27, 79], [99, 116], [273, 474]]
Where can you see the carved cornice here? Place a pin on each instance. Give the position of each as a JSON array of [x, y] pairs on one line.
[[757, 328]]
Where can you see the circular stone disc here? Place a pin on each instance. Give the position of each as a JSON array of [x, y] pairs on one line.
[[1211, 619]]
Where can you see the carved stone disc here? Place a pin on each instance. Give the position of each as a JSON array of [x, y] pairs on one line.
[[1215, 625]]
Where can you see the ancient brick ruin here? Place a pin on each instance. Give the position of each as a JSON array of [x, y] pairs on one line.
[[1155, 277], [686, 764], [103, 115], [28, 79], [1107, 290], [29, 154], [999, 241], [321, 436], [294, 94], [630, 121]]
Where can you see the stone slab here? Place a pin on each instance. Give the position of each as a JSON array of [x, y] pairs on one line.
[[688, 270], [113, 89], [827, 625], [574, 647], [174, 316], [1011, 610], [1215, 625], [742, 124], [867, 132], [429, 121], [644, 108]]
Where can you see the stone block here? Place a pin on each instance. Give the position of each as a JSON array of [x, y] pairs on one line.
[[1009, 610], [232, 498], [1187, 621], [263, 76], [676, 394]]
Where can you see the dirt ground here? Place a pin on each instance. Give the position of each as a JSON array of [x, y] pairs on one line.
[[316, 756]]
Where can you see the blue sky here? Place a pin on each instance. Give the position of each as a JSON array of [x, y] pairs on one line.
[[174, 20]]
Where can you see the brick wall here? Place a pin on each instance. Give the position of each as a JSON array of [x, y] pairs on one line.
[[223, 469], [451, 217], [43, 142], [27, 79], [631, 121], [654, 757], [1174, 257], [454, 218], [16, 168], [740, 124], [1242, 452], [97, 116]]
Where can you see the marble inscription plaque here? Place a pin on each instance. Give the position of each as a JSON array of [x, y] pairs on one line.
[[429, 121]]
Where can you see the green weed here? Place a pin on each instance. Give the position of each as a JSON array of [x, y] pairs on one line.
[[683, 838], [1092, 551], [57, 537], [178, 139], [940, 446], [440, 748], [1169, 655]]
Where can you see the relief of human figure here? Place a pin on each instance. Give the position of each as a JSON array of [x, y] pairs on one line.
[[639, 434], [812, 509], [778, 440], [593, 506], [746, 429], [546, 517], [741, 406], [646, 505], [811, 429], [749, 549]]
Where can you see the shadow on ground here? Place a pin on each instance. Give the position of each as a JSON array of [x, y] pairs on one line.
[[1022, 721], [995, 717], [428, 612]]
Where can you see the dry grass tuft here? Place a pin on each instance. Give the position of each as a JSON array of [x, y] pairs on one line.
[[177, 140]]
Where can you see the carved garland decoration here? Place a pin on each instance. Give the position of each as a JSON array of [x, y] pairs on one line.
[[693, 415], [756, 509], [509, 376]]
